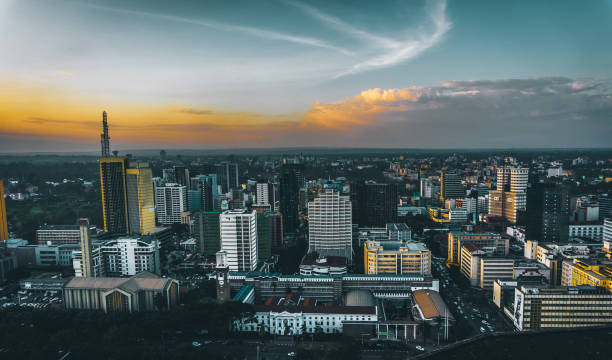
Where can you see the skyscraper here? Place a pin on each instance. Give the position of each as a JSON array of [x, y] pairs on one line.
[[3, 222], [605, 206], [207, 232], [140, 198], [547, 213], [171, 201], [86, 250], [239, 239], [451, 186], [203, 193], [510, 196], [330, 224], [227, 176], [290, 177], [113, 187], [374, 204], [269, 234], [104, 138], [114, 194], [181, 176], [264, 193]]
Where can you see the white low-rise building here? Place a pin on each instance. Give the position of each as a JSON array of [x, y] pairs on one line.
[[295, 320]]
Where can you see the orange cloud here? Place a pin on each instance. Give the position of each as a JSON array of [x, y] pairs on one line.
[[35, 111], [360, 109]]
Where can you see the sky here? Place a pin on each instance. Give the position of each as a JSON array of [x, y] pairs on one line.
[[295, 73]]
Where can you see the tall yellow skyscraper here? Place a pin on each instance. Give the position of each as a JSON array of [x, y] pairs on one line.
[[140, 198], [3, 223]]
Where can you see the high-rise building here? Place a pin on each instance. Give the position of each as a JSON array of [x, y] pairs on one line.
[[114, 194], [394, 257], [3, 222], [86, 249], [291, 176], [451, 186], [129, 256], [181, 175], [227, 176], [269, 234], [239, 239], [140, 198], [203, 193], [113, 186], [264, 194], [427, 188], [171, 201], [507, 204], [206, 228], [493, 243], [374, 204], [510, 197], [512, 179], [547, 213], [605, 206], [330, 224]]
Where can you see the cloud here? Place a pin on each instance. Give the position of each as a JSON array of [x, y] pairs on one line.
[[398, 52], [361, 109], [533, 112], [192, 111], [253, 31], [55, 122], [343, 26]]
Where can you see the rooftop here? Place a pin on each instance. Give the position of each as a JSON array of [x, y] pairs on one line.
[[60, 227], [328, 309], [314, 258], [141, 281], [431, 304]]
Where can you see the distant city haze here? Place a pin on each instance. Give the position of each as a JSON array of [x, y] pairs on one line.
[[284, 73]]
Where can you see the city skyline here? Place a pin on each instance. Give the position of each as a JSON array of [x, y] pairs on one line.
[[195, 75]]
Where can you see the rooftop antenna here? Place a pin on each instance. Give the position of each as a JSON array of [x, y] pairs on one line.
[[104, 138]]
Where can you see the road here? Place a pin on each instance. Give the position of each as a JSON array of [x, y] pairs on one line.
[[482, 317]]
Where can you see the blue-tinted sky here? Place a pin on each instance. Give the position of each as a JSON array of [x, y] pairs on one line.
[[299, 59]]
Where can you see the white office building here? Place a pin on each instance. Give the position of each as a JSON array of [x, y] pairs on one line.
[[239, 239], [122, 257], [329, 224], [264, 194], [170, 203]]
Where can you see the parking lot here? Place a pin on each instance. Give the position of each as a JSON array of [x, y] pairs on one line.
[[32, 299]]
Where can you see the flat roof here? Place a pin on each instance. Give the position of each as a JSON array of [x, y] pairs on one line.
[[141, 281]]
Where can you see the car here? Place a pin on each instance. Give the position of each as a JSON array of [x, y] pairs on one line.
[[482, 329], [420, 348], [291, 354], [196, 344]]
